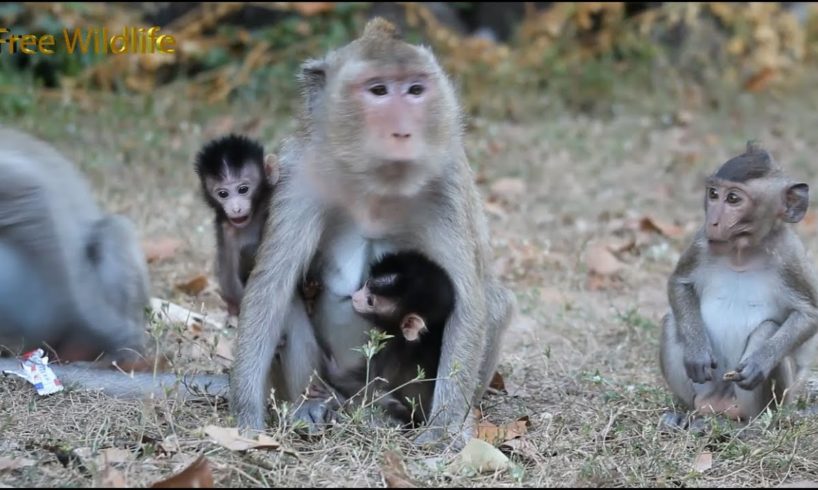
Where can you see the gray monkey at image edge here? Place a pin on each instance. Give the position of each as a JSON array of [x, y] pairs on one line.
[[73, 277], [378, 162], [740, 334]]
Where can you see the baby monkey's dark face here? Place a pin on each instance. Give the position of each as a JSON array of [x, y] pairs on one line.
[[378, 307]]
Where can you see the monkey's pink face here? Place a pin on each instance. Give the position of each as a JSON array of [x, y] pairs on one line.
[[366, 303], [728, 215], [395, 108], [235, 195]]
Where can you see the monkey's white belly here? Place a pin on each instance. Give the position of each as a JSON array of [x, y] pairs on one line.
[[346, 260], [733, 305]]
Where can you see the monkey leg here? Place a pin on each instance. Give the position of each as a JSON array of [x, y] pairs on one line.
[[501, 304], [671, 356], [300, 356]]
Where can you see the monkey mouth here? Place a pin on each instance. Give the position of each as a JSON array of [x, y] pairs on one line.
[[240, 221]]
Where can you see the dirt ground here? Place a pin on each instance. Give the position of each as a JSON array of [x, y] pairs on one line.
[[580, 361]]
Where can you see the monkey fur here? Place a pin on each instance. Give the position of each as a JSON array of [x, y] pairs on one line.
[[377, 165], [740, 334]]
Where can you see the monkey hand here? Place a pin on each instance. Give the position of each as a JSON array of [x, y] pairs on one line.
[[699, 365], [750, 372]]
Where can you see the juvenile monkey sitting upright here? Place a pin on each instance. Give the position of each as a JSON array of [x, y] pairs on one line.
[[740, 334]]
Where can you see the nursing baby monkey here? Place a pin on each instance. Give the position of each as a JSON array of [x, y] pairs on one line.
[[740, 334], [410, 298]]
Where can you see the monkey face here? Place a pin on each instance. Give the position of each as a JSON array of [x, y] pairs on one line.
[[375, 306], [235, 195], [728, 209]]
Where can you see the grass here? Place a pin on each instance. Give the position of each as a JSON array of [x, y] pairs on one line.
[[583, 355]]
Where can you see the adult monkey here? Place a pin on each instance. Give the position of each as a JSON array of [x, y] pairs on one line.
[[72, 275], [377, 165]]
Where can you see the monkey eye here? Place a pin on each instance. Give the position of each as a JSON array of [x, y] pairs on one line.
[[243, 189], [712, 193], [223, 194], [379, 90], [733, 198], [416, 89], [370, 300]]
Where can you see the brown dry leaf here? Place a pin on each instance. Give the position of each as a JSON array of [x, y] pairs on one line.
[[602, 261], [394, 472], [229, 438], [495, 210], [618, 245], [110, 477], [508, 188], [497, 382], [704, 462], [197, 475], [312, 8], [193, 286], [650, 223], [760, 80], [497, 435], [160, 248], [15, 463]]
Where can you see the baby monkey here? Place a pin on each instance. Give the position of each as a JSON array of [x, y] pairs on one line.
[[237, 182], [410, 298], [741, 331]]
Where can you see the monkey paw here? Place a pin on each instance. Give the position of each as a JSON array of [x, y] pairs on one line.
[[750, 373], [313, 416], [700, 366]]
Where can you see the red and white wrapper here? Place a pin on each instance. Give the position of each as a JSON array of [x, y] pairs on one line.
[[36, 371]]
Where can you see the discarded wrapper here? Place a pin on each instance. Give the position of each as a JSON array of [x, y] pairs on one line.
[[36, 371]]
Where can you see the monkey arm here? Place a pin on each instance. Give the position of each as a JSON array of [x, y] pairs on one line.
[[287, 247], [686, 309], [227, 267]]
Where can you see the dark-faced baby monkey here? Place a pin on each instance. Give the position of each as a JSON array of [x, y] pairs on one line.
[[237, 183], [740, 334], [410, 298]]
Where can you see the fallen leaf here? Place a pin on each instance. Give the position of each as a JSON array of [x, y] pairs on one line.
[[193, 286], [197, 475], [508, 188], [496, 435], [497, 382], [160, 248], [650, 223], [495, 210], [760, 80], [479, 456], [229, 438], [704, 462], [618, 245], [173, 313], [394, 472], [15, 463], [602, 261], [110, 477]]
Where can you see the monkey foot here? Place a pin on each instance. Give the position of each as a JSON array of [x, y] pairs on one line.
[[682, 421], [312, 416]]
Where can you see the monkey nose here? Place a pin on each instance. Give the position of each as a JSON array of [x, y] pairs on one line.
[[401, 136]]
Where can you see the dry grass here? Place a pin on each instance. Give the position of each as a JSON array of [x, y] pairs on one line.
[[582, 355]]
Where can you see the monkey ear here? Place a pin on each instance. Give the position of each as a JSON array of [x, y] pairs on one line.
[[271, 168], [412, 326], [313, 78], [796, 201]]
